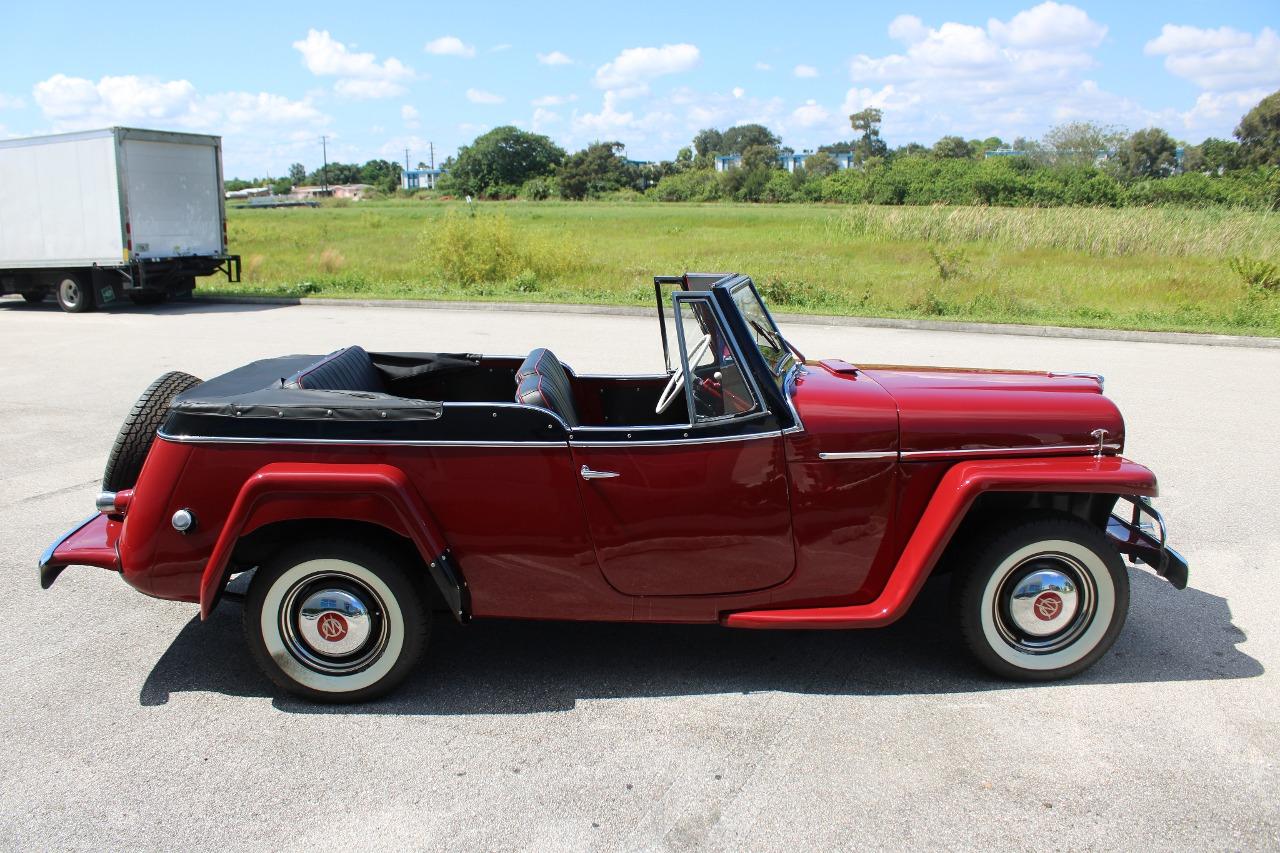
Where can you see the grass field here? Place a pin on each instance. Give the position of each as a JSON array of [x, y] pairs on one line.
[[1163, 269]]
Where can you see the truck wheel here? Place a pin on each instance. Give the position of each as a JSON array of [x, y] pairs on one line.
[[1041, 601], [34, 296], [335, 621], [73, 296], [139, 429]]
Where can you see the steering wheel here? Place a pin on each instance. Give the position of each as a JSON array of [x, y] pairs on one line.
[[668, 395]]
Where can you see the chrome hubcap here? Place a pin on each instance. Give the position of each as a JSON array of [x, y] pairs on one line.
[[1044, 603], [333, 623], [70, 292]]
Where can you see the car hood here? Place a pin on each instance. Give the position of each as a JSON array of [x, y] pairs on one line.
[[945, 410]]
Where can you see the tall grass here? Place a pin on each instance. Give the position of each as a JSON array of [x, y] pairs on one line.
[[1134, 268], [471, 249], [1099, 233]]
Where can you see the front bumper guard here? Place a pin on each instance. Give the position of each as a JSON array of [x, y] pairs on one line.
[[1143, 541]]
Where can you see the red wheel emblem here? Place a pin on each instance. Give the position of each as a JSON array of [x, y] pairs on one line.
[[332, 626], [1047, 606]]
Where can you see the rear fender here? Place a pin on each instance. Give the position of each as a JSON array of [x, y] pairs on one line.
[[376, 494], [956, 492]]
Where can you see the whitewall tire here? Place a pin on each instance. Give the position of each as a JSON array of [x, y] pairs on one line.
[[335, 621], [1042, 600]]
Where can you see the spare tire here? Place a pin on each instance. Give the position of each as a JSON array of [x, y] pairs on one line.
[[139, 429]]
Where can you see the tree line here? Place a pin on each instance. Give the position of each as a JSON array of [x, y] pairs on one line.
[[1076, 163], [381, 174]]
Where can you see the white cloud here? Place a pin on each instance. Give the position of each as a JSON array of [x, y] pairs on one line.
[[542, 118], [552, 100], [763, 66], [608, 120], [260, 130], [738, 91], [1048, 25], [75, 103], [479, 96], [907, 28], [409, 115], [1010, 77], [637, 65], [360, 74], [11, 102], [1219, 60], [555, 57], [805, 71], [449, 46], [499, 48], [811, 114]]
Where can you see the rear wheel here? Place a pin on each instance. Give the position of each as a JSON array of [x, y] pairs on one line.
[[74, 296], [335, 621], [1043, 600]]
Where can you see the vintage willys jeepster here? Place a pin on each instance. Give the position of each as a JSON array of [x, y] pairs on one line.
[[744, 486]]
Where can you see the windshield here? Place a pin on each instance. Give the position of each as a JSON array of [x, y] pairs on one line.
[[764, 333]]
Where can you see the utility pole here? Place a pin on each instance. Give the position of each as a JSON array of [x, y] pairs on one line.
[[324, 174], [406, 159], [433, 154]]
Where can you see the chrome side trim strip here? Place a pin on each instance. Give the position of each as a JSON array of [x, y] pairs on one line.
[[1034, 450], [675, 442], [356, 442], [869, 454]]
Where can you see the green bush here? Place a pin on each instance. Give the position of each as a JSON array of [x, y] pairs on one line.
[[539, 189], [1002, 182], [781, 186], [470, 250], [694, 185]]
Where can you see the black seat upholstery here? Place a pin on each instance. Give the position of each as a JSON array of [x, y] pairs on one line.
[[542, 381], [348, 369]]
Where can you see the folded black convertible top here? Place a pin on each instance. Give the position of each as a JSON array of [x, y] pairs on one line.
[[268, 389]]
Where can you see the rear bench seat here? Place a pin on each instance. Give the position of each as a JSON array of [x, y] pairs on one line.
[[348, 369]]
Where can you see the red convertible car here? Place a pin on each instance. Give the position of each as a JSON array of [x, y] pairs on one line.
[[744, 486]]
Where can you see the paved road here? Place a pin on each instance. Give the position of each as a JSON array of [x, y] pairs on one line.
[[127, 723]]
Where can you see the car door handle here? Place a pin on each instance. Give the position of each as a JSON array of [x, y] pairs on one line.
[[588, 474]]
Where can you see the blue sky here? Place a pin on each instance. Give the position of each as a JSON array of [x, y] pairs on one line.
[[272, 77]]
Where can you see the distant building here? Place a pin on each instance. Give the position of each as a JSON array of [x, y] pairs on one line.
[[420, 179], [788, 161], [352, 191], [249, 192]]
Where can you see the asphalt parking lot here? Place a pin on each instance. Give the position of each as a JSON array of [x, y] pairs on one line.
[[130, 724]]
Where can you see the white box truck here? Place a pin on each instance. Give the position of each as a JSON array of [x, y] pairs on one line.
[[95, 216]]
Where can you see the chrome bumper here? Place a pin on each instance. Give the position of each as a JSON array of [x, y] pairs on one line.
[[49, 570], [1143, 542]]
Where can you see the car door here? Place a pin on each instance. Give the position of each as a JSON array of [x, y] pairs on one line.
[[694, 508]]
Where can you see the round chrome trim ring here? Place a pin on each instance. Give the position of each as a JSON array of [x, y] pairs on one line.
[[1036, 581], [300, 627]]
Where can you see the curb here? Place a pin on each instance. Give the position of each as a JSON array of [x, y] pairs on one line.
[[1187, 338]]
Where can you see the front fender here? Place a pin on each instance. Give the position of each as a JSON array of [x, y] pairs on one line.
[[956, 492], [378, 494]]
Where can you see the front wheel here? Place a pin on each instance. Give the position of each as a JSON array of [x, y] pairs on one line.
[[1043, 600], [335, 621]]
